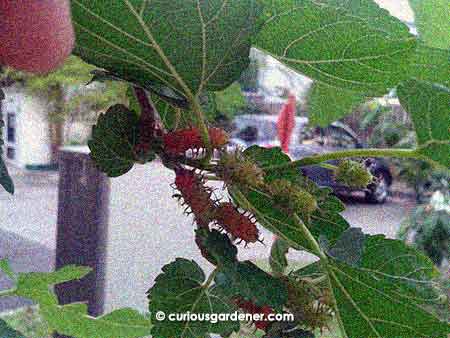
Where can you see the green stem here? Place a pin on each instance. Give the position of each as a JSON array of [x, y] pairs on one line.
[[328, 166], [370, 152], [211, 278], [197, 109], [197, 164], [204, 289], [310, 238], [333, 297], [324, 262], [9, 292]]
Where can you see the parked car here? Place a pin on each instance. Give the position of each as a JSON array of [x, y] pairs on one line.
[[335, 137], [262, 130]]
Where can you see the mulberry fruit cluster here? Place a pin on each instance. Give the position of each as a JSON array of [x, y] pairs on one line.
[[250, 307], [178, 142], [198, 198]]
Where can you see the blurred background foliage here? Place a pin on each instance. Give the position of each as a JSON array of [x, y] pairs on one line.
[[66, 89]]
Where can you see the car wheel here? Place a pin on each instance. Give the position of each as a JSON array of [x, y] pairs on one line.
[[378, 191]]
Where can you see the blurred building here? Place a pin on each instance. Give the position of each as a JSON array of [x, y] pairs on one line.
[[27, 133], [273, 82]]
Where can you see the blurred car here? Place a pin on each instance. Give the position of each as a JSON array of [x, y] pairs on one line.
[[335, 137], [262, 130], [250, 129]]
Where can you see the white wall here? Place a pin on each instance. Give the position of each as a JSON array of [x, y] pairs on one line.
[[32, 134]]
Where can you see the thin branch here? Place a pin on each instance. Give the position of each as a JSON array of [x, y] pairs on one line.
[[213, 178], [328, 166], [370, 152]]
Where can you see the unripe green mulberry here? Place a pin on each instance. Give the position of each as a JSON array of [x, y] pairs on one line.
[[353, 174], [292, 198], [305, 301], [234, 168]]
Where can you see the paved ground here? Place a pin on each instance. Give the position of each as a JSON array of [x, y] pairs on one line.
[[27, 227], [31, 211], [147, 230]]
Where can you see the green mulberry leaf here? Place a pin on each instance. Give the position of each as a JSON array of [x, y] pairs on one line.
[[187, 46], [430, 65], [339, 43], [266, 157], [431, 18], [246, 280], [174, 117], [429, 107], [218, 246], [160, 92], [278, 256], [383, 292], [8, 332], [179, 289], [72, 319], [328, 104], [326, 221], [113, 140], [412, 272], [370, 305], [349, 247], [35, 285]]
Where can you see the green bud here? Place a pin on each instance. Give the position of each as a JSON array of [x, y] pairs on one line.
[[442, 299], [292, 198], [353, 174], [234, 168]]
